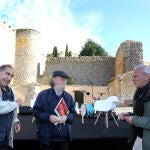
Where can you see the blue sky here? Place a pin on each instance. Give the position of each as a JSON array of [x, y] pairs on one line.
[[108, 22]]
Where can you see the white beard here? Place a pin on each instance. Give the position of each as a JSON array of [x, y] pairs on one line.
[[60, 87]]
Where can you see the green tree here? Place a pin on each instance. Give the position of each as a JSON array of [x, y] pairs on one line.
[[91, 48], [70, 81], [66, 51], [55, 52], [70, 54]]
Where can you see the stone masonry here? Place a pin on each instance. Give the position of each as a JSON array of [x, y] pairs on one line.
[[84, 70]]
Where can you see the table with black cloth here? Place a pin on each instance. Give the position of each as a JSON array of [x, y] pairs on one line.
[[85, 136]]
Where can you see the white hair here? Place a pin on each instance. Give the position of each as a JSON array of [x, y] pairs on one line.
[[144, 68]]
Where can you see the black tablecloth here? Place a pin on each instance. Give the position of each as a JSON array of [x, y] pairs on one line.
[[79, 130]]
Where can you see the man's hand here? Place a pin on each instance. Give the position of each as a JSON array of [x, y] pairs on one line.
[[54, 119], [17, 127], [19, 102], [63, 119], [129, 119], [122, 116]]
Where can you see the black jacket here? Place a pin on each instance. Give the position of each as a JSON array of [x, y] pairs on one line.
[[44, 107]]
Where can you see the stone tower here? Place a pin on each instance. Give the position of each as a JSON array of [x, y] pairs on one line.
[[26, 61], [129, 54], [26, 56]]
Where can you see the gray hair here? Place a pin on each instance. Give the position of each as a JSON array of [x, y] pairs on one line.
[[51, 83], [144, 68], [3, 67]]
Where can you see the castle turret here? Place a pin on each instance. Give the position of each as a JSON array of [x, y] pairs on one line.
[[129, 54], [26, 62], [26, 56]]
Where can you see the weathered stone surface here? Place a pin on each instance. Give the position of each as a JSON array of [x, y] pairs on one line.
[[129, 54], [84, 70], [26, 56]]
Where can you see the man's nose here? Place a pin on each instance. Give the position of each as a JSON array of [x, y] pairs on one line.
[[10, 78]]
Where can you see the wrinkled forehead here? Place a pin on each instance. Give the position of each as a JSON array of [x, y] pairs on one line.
[[9, 70], [59, 78], [138, 71]]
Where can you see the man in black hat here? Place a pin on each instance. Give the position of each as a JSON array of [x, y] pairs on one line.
[[54, 125], [59, 80]]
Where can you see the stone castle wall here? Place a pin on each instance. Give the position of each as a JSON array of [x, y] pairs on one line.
[[84, 70], [127, 88], [129, 54], [123, 87]]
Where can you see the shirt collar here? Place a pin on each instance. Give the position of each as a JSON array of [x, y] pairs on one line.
[[58, 91], [7, 89]]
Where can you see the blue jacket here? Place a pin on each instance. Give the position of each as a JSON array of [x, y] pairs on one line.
[[44, 107], [8, 110]]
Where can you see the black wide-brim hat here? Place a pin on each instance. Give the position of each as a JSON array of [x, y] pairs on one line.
[[60, 73]]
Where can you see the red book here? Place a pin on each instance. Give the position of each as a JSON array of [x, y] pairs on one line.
[[61, 108]]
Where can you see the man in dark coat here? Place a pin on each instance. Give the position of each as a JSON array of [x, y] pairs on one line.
[[54, 129], [140, 120]]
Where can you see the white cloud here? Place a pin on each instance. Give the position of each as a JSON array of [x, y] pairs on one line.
[[55, 21]]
